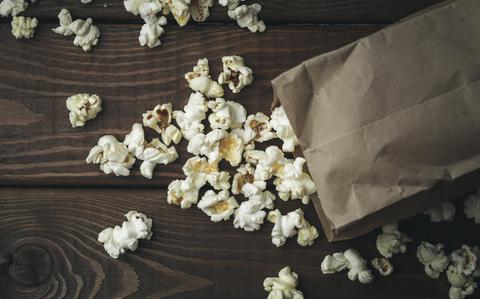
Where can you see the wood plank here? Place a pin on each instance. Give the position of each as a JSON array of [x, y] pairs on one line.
[[189, 256], [274, 11], [37, 144]]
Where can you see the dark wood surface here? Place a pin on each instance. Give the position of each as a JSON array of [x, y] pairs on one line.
[[52, 205]]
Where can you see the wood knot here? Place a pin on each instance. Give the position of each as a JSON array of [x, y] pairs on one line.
[[30, 265]]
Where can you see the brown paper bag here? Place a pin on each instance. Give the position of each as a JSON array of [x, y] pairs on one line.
[[390, 124]]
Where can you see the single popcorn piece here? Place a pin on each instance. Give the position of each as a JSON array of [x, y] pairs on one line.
[[258, 128], [465, 260], [391, 241], [253, 156], [151, 32], [83, 107], [200, 80], [462, 271], [200, 9], [12, 7], [461, 285], [86, 34], [270, 163], [226, 114], [182, 193], [256, 191], [243, 176], [134, 6], [247, 139], [247, 17], [334, 263], [118, 239], [65, 19], [156, 153], [357, 267], [190, 119], [249, 215], [433, 258], [218, 206], [199, 171], [286, 226], [443, 212], [235, 73], [283, 129], [219, 180], [471, 207], [294, 183], [160, 119], [383, 266], [231, 4], [135, 141], [180, 10], [23, 27], [217, 145], [284, 286], [113, 156], [307, 235]]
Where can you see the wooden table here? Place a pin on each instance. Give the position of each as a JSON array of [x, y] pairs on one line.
[[52, 204]]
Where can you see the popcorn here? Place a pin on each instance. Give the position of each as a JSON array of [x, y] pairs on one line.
[[433, 258], [334, 263], [391, 241], [249, 215], [180, 10], [199, 9], [217, 145], [253, 156], [244, 175], [12, 7], [135, 141], [218, 206], [284, 286], [465, 260], [247, 139], [231, 4], [133, 6], [247, 16], [471, 207], [293, 183], [462, 271], [118, 239], [307, 235], [284, 130], [151, 32], [286, 227], [65, 19], [112, 156], [256, 191], [86, 34], [235, 73], [257, 126], [199, 170], [83, 107], [270, 163], [226, 114], [190, 120], [442, 212], [182, 193], [160, 119], [219, 180], [383, 266], [357, 267], [23, 27], [200, 80], [156, 153]]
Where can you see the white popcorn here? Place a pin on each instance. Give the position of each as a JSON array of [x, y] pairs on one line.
[[148, 11], [190, 120], [83, 107], [284, 130], [218, 206], [217, 145], [151, 32], [293, 183], [471, 207], [269, 164], [284, 286], [180, 10], [253, 156], [160, 119], [247, 16], [285, 225], [118, 239], [461, 285], [465, 260], [249, 215], [12, 7], [199, 170], [235, 73], [85, 1], [182, 193], [156, 153], [23, 27], [257, 127], [134, 6], [462, 271], [86, 34], [112, 156], [334, 263], [391, 241], [307, 235], [219, 180], [357, 267], [256, 191], [200, 80], [443, 212], [135, 141], [383, 266], [65, 19], [244, 175], [433, 258], [231, 4], [199, 9], [226, 114]]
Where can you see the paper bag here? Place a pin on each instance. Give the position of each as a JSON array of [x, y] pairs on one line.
[[390, 124]]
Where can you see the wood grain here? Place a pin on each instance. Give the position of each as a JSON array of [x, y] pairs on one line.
[[274, 11], [189, 256], [37, 144]]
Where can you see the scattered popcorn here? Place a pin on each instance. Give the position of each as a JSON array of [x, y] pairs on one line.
[[443, 212], [180, 10], [83, 107], [12, 7], [86, 34], [269, 164], [284, 286], [23, 27], [190, 119], [199, 9], [112, 156], [118, 239], [156, 153], [218, 206], [391, 241], [151, 32], [235, 73], [160, 119], [247, 16], [284, 130], [200, 80], [217, 145], [219, 180], [226, 114], [257, 126], [357, 267], [249, 215], [471, 207], [383, 266], [286, 226], [433, 258], [244, 175], [293, 183], [199, 170], [65, 19], [256, 191], [182, 193], [334, 263]]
